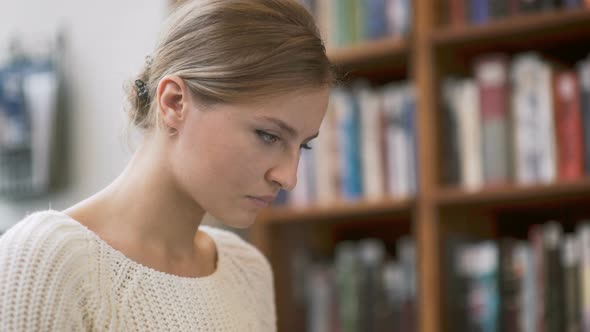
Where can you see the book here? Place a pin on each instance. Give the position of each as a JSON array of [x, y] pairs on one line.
[[568, 124], [534, 130], [372, 168], [583, 234], [510, 284], [536, 238], [450, 134], [371, 254], [525, 263], [494, 95], [375, 20], [320, 298], [457, 13], [553, 275], [409, 123], [397, 141], [479, 11], [347, 281], [469, 133], [327, 167], [394, 288], [406, 251], [584, 76], [570, 260]]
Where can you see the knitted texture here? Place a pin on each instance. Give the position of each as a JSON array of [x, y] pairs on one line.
[[57, 275]]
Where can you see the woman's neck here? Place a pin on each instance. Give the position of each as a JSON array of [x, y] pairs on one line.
[[146, 205]]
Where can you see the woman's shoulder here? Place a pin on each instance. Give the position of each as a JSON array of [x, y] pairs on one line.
[[43, 234], [44, 270], [248, 267], [47, 223], [242, 257], [236, 248]]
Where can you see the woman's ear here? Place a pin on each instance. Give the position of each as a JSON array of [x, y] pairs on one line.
[[173, 101]]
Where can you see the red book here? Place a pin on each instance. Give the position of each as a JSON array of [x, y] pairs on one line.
[[494, 93], [457, 14], [568, 125]]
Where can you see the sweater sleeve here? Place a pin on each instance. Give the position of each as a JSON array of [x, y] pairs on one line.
[[43, 268]]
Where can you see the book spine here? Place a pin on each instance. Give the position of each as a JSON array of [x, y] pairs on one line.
[[470, 129], [568, 125], [571, 268], [510, 281], [327, 157], [537, 243], [373, 181], [583, 233], [554, 314], [457, 12], [410, 130], [534, 129], [480, 11], [584, 74], [492, 79], [450, 135]]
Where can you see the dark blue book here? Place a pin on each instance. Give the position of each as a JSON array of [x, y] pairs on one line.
[[479, 11], [572, 3], [376, 19]]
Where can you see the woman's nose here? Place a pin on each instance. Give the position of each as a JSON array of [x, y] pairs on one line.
[[285, 172]]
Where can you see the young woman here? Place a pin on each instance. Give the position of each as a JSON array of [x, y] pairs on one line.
[[233, 92]]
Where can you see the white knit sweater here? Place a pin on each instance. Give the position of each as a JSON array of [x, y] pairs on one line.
[[57, 275]]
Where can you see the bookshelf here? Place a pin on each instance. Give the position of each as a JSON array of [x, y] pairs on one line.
[[552, 24], [376, 54], [514, 194], [433, 51], [337, 211]]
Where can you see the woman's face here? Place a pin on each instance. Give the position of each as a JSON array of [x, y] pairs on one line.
[[233, 159]]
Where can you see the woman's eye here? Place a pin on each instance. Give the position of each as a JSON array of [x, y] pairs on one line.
[[267, 137]]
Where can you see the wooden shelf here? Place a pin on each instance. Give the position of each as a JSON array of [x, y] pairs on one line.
[[393, 50], [524, 29], [338, 211], [514, 194]]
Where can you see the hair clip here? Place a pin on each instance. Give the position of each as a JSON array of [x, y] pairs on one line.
[[142, 91]]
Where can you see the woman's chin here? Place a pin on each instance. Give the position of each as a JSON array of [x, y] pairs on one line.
[[237, 219]]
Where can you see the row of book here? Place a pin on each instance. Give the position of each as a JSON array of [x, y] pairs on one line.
[[344, 22], [363, 289], [366, 149], [511, 285], [462, 12], [523, 120]]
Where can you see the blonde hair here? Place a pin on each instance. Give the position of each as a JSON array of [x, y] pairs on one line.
[[231, 50]]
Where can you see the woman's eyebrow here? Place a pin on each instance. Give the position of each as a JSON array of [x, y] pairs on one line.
[[285, 127]]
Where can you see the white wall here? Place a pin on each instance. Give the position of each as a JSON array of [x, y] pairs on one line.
[[106, 44]]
